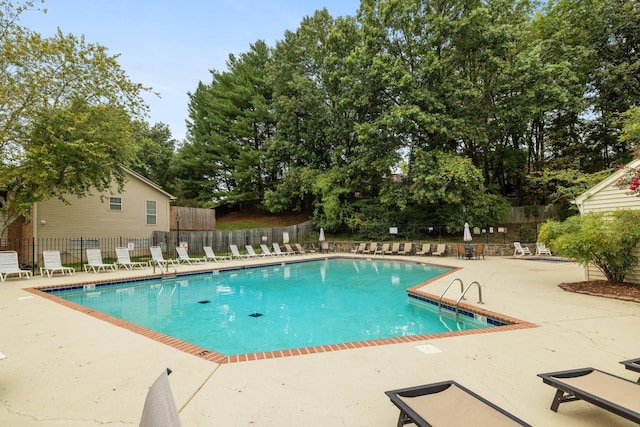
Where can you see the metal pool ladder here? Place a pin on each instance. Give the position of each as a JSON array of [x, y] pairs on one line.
[[463, 291]]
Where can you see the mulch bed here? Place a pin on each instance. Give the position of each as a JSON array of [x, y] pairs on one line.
[[602, 288]]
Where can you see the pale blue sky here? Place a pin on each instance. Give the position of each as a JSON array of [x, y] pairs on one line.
[[171, 45]]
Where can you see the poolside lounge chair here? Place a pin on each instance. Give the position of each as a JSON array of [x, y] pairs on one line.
[[607, 391], [158, 258], [395, 248], [359, 248], [371, 249], [277, 250], [160, 407], [406, 249], [52, 263], [94, 262], [461, 251], [425, 250], [183, 256], [251, 253], [290, 250], [235, 253], [541, 249], [441, 250], [448, 403], [520, 250], [125, 261], [210, 255], [265, 250], [479, 251], [385, 249], [301, 249], [9, 265], [632, 365]]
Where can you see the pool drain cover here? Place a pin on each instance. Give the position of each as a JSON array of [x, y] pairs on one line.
[[256, 314], [204, 301]]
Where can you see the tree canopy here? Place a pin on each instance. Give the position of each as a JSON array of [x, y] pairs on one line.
[[410, 113], [67, 113], [407, 109]]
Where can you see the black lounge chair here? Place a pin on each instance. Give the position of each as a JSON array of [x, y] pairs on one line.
[[612, 393], [632, 365], [448, 403]]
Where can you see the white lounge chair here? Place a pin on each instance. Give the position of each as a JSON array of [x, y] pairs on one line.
[[541, 249], [406, 249], [9, 265], [441, 250], [251, 253], [235, 253], [265, 250], [52, 263], [94, 262], [290, 250], [360, 248], [125, 261], [183, 256], [158, 258], [371, 249], [520, 250], [385, 249], [301, 249], [210, 255], [276, 249], [395, 248], [425, 250]]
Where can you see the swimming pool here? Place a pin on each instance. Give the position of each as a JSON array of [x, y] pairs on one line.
[[280, 306]]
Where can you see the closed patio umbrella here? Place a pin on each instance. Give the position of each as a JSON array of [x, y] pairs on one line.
[[321, 240], [467, 233]]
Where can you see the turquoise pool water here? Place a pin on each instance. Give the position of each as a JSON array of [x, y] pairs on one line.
[[277, 307]]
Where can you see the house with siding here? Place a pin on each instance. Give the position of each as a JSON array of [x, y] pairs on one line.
[[606, 196], [126, 219], [141, 208]]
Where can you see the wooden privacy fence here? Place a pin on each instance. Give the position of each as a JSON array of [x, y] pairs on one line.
[[187, 219], [220, 240], [522, 214]]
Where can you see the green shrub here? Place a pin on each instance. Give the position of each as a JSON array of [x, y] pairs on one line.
[[604, 239]]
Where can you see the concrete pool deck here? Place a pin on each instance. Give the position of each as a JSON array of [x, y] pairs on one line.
[[65, 368]]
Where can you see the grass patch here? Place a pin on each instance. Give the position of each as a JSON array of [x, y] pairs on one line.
[[256, 219]]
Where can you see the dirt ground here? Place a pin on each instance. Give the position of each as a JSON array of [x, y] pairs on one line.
[[602, 288]]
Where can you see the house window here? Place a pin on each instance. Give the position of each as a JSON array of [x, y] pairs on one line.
[[151, 212], [115, 203]]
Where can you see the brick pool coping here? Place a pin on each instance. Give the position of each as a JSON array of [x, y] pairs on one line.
[[210, 355]]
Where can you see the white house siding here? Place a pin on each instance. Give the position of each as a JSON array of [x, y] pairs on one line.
[[90, 217], [606, 196]]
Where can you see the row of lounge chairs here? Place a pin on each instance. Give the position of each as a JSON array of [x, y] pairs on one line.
[[520, 250], [374, 248], [449, 403], [52, 263], [275, 250]]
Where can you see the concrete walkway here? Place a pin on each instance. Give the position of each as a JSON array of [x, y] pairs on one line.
[[65, 368]]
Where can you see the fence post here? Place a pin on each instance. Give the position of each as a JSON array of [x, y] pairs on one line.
[[33, 255]]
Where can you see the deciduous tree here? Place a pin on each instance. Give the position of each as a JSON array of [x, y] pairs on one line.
[[67, 108]]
